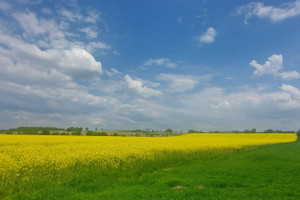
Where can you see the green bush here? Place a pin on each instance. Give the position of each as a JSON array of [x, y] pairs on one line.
[[76, 132], [45, 132], [95, 133]]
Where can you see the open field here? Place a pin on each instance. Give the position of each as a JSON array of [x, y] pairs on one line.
[[69, 167]]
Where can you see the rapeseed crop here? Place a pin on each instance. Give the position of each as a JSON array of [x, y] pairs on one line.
[[24, 158]]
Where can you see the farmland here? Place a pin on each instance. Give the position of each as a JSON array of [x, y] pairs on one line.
[[31, 166]]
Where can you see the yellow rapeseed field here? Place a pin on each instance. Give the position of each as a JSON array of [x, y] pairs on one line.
[[23, 156]]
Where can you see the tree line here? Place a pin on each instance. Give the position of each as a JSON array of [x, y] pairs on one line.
[[146, 132]]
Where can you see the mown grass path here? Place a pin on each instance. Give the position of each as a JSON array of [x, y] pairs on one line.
[[270, 172]]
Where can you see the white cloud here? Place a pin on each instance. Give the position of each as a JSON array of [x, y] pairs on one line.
[[46, 11], [52, 33], [248, 107], [112, 72], [96, 121], [42, 32], [137, 87], [41, 63], [289, 75], [18, 117], [72, 16], [90, 32], [75, 62], [273, 66], [92, 46], [4, 5], [179, 19], [179, 83], [116, 53], [295, 92], [33, 26], [160, 62], [275, 14], [208, 36], [41, 99], [93, 17]]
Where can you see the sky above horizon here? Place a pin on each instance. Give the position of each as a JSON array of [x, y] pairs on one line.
[[158, 64]]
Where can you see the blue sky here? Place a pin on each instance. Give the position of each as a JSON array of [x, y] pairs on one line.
[[204, 65]]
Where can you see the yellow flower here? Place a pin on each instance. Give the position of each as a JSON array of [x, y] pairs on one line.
[[29, 155]]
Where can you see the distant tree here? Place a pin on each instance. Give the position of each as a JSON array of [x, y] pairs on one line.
[[88, 133], [86, 128], [103, 133], [74, 129], [250, 131], [148, 130], [192, 131], [45, 132], [269, 131], [96, 129], [70, 128], [169, 130], [78, 132], [93, 133], [9, 131]]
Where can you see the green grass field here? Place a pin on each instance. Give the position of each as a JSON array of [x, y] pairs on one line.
[[269, 172]]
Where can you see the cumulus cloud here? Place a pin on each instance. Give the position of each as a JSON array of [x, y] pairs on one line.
[[289, 75], [180, 83], [273, 66], [43, 61], [43, 81], [42, 64], [275, 14], [75, 62], [208, 36], [246, 107], [160, 62], [137, 87], [51, 99], [295, 92]]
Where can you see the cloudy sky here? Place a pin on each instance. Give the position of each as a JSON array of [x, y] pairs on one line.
[[112, 64]]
